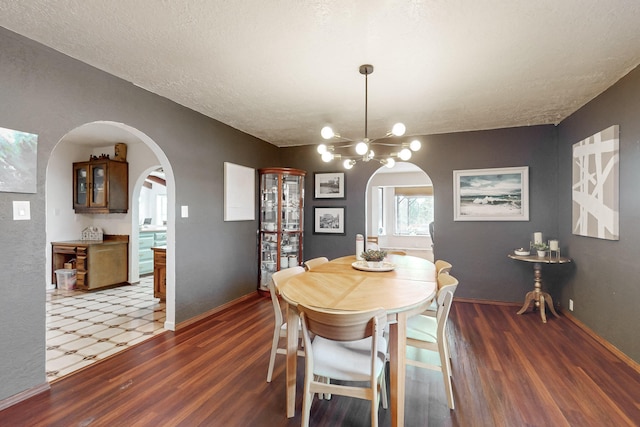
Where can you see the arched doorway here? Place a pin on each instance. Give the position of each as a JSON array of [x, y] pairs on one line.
[[63, 224], [392, 214]]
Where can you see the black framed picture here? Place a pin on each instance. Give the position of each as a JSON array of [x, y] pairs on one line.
[[329, 185], [329, 220]]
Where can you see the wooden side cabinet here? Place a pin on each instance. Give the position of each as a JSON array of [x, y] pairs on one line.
[[101, 186], [160, 272], [99, 263]]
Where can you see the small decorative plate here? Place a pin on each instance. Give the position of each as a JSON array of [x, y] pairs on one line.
[[362, 265], [521, 252]]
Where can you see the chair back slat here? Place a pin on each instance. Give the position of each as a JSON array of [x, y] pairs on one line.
[[344, 325], [315, 262]]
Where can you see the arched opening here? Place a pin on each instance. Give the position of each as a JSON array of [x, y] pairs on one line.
[[399, 208], [63, 224]]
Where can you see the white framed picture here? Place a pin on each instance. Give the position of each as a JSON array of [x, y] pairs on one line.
[[496, 194]]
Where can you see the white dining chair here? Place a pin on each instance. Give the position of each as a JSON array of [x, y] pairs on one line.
[[442, 266], [280, 327], [447, 282], [315, 262], [348, 346], [427, 345]]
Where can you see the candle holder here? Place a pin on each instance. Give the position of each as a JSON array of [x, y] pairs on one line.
[[554, 250]]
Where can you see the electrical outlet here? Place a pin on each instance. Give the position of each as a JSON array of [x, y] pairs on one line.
[[570, 305]]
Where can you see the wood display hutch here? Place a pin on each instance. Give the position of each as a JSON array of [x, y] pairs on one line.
[[101, 186], [280, 236]]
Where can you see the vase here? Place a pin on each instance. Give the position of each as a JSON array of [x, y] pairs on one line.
[[541, 254], [374, 264]]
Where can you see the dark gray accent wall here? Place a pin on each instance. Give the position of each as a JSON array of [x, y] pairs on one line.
[[477, 250], [47, 93], [603, 278], [606, 286]]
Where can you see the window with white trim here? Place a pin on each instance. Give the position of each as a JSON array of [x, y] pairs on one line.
[[414, 210]]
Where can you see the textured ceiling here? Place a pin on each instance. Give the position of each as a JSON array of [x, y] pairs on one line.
[[282, 69]]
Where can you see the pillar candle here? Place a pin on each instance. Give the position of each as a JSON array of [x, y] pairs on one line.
[[537, 237], [359, 246], [553, 245]]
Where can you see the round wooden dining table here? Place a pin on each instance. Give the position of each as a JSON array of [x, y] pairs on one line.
[[404, 291]]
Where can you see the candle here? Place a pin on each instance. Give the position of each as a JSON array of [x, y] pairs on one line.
[[359, 246], [537, 237], [553, 245]]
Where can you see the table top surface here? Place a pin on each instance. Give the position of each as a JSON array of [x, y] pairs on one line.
[[337, 285], [543, 260]]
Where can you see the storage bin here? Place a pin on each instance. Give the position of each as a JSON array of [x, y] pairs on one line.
[[66, 279]]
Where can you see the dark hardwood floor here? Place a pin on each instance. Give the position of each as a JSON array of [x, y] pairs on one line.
[[508, 370]]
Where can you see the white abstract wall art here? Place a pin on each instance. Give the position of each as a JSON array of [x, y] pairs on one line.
[[595, 185], [18, 161]]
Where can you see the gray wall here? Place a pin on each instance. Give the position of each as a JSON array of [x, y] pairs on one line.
[[606, 285], [478, 250], [602, 280], [47, 93]]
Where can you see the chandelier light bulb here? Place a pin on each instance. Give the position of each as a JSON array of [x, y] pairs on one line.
[[398, 129], [390, 163], [327, 157], [362, 148], [348, 164], [415, 145], [405, 154], [322, 149], [327, 132], [371, 154]]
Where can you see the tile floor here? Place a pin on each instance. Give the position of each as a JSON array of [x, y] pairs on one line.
[[85, 327]]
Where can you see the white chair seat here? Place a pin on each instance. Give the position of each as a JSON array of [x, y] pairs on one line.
[[354, 357], [423, 328]]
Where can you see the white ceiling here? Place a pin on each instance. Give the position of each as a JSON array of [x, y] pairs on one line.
[[282, 69]]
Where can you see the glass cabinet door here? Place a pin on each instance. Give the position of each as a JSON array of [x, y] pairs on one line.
[[81, 185], [98, 197], [280, 233]]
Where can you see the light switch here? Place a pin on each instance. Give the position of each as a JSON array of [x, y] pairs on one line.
[[21, 210], [185, 211]]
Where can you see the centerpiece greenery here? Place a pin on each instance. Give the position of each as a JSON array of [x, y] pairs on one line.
[[373, 255]]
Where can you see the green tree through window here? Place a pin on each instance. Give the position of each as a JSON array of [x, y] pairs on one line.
[[413, 215]]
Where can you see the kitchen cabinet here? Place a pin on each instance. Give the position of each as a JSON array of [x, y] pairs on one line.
[[146, 240], [160, 272], [98, 263], [280, 234], [101, 186]]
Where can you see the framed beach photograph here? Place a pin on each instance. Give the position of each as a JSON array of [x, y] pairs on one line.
[[329, 185], [329, 220], [497, 194]]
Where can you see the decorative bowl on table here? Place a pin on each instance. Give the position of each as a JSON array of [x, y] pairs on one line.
[[522, 252], [374, 258]]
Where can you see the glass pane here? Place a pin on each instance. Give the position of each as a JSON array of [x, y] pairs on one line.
[[413, 215], [81, 186], [98, 185]]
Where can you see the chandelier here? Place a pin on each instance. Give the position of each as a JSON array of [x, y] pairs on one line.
[[363, 148]]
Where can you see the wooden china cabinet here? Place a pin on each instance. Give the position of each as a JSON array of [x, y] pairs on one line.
[[281, 221], [101, 186]]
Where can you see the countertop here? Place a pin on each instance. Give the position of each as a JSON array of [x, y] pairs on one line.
[[89, 242]]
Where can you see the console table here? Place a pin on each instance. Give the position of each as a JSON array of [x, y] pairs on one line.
[[537, 295]]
